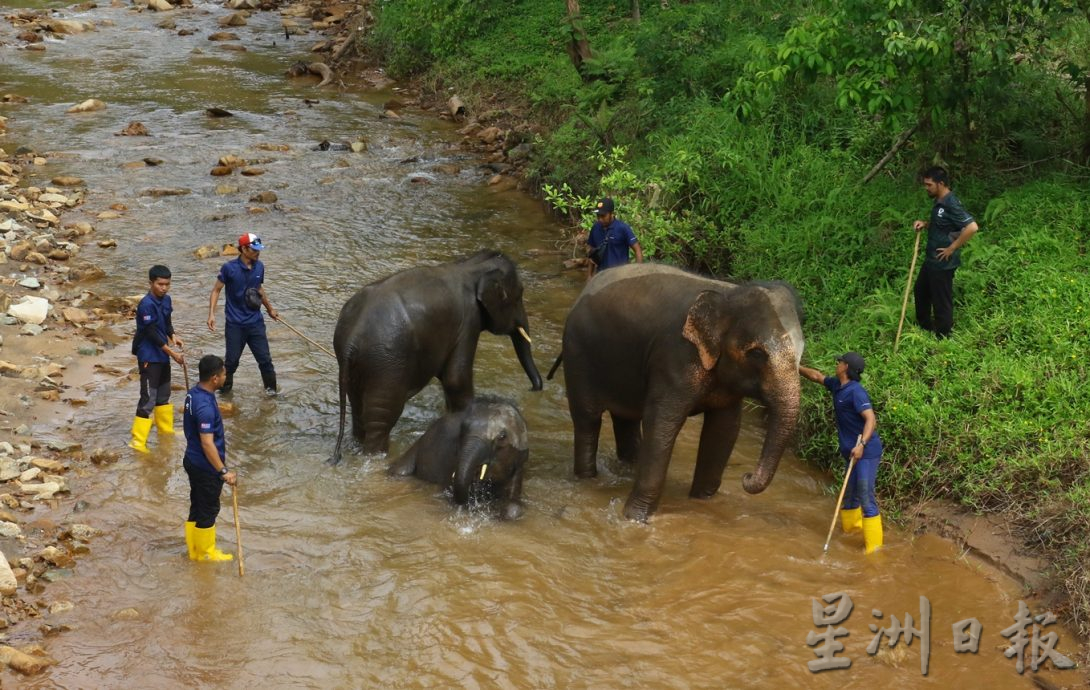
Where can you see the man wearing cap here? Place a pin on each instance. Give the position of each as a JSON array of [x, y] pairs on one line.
[[244, 279], [859, 441], [609, 240], [949, 228]]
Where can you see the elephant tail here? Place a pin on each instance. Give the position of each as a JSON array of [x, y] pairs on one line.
[[556, 365]]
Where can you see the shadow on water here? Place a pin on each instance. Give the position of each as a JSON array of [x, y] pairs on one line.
[[355, 579]]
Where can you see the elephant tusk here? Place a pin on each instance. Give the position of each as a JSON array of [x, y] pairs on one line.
[[484, 468], [524, 334]]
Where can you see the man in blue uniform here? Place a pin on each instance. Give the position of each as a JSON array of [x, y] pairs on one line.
[[205, 461], [154, 345], [609, 240], [244, 279], [858, 436], [949, 228]]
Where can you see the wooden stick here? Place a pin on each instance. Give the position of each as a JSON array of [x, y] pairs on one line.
[[908, 284], [280, 320], [185, 371], [839, 501], [238, 530]]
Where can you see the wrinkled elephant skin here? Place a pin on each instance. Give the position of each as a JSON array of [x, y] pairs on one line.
[[653, 345], [397, 334]]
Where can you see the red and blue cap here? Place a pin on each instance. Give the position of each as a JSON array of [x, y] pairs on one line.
[[250, 240]]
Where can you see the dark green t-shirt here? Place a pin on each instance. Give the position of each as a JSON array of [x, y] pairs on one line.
[[948, 219]]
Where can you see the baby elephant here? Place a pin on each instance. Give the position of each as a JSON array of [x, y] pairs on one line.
[[480, 451]]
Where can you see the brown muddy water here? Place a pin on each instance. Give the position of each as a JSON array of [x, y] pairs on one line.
[[356, 580]]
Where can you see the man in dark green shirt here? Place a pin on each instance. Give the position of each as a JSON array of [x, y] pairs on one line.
[[949, 228]]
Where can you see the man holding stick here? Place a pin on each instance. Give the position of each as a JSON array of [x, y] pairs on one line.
[[859, 444], [244, 279], [948, 229], [205, 461]]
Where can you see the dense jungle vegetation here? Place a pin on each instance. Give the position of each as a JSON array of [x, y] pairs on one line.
[[736, 138]]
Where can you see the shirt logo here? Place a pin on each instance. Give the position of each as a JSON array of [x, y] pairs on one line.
[[941, 210], [147, 317], [206, 425]]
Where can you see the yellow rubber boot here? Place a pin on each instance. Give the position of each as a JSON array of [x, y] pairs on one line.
[[204, 543], [189, 545], [141, 427], [164, 419], [851, 519], [872, 533]]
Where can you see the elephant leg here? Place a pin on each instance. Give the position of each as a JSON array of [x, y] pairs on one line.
[[342, 385], [626, 432], [717, 440], [511, 507], [663, 426], [587, 428], [457, 376], [378, 417]]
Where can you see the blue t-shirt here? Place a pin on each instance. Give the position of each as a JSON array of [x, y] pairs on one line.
[[202, 416], [153, 326], [618, 238], [948, 219], [849, 403], [236, 279]]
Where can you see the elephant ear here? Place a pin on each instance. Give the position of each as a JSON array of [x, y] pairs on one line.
[[492, 293], [704, 327]]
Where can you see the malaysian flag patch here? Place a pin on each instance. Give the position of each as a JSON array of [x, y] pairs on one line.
[[206, 426], [147, 317]]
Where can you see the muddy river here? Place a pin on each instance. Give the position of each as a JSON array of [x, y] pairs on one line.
[[357, 580]]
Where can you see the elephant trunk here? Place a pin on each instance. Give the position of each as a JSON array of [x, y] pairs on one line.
[[783, 416], [526, 359], [472, 456]]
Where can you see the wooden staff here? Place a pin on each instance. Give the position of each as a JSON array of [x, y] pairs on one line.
[[185, 372], [238, 530], [306, 338], [839, 501], [908, 283]]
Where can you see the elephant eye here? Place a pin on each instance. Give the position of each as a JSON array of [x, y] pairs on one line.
[[503, 435]]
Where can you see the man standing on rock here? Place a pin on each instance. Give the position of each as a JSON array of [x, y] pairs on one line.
[[949, 228], [609, 240], [244, 279], [154, 345], [205, 461]]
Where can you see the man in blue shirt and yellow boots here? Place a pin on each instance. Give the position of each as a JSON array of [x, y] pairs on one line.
[[859, 441], [244, 279], [609, 240], [154, 345], [205, 461]]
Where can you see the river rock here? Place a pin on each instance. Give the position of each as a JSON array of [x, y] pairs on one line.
[[80, 228], [489, 135], [29, 474], [89, 106], [82, 532], [48, 464], [107, 244], [42, 492], [9, 469], [206, 252], [6, 448], [19, 250], [22, 662], [51, 198], [229, 250], [221, 170], [9, 530], [29, 37], [252, 171], [67, 180], [30, 310], [165, 191], [264, 197], [8, 583], [223, 36], [59, 254], [30, 283], [66, 26], [160, 5], [233, 19], [31, 329], [61, 607], [134, 129]]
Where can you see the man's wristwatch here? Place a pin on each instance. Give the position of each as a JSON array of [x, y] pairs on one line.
[[224, 470]]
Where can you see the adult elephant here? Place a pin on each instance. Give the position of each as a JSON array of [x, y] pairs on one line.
[[653, 345], [395, 335], [479, 453]]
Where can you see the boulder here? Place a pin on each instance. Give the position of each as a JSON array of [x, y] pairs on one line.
[[89, 106], [22, 662], [30, 310], [67, 180], [160, 5], [8, 583]]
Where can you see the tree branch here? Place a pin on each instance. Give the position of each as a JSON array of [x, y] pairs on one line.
[[901, 141]]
